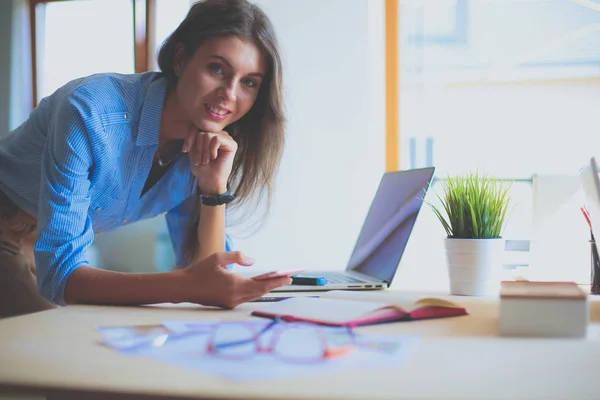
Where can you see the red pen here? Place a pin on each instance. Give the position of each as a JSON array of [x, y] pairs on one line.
[[586, 215]]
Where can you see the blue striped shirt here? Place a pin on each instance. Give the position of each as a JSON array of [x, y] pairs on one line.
[[79, 163]]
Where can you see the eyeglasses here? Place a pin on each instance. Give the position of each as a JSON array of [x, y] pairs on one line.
[[292, 342]]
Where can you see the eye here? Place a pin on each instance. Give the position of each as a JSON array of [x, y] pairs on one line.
[[249, 82], [216, 68]]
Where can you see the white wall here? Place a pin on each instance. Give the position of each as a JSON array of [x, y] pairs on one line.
[[333, 53]]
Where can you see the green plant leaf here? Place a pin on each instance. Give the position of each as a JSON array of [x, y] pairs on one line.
[[474, 206]]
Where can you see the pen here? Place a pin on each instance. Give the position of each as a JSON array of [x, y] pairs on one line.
[[588, 219], [309, 280], [586, 214]]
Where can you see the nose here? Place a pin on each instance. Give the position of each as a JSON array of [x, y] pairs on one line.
[[228, 91]]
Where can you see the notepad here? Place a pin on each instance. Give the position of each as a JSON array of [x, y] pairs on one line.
[[353, 308]]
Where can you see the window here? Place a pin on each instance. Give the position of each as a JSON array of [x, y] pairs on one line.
[[485, 86], [74, 39], [77, 38], [169, 14]]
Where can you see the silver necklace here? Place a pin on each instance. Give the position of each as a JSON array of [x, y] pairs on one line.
[[161, 162]]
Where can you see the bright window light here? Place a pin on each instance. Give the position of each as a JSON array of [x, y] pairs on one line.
[[80, 38]]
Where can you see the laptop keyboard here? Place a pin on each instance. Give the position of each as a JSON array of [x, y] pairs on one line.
[[335, 277]]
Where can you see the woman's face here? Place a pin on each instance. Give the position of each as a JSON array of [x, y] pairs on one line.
[[219, 84]]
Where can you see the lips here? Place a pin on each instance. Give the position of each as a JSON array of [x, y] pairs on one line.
[[217, 112]]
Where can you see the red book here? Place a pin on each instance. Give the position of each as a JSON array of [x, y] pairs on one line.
[[355, 308]]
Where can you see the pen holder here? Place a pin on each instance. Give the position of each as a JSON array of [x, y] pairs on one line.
[[595, 269]]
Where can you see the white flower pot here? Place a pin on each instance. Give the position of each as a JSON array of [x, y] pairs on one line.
[[474, 265]]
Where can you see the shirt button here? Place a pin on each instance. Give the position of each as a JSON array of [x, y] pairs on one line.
[[98, 209], [125, 116], [164, 213], [124, 220]]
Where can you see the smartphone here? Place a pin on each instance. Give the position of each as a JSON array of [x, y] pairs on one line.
[[277, 274]]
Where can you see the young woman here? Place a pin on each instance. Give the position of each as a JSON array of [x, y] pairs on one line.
[[109, 150]]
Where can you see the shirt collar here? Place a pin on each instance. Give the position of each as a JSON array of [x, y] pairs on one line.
[[149, 127]]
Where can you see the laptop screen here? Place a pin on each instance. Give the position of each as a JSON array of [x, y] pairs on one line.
[[389, 223]]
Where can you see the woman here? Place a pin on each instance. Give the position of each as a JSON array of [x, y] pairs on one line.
[[109, 150]]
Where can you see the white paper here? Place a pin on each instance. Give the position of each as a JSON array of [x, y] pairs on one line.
[[187, 344], [127, 338], [323, 309], [402, 301]]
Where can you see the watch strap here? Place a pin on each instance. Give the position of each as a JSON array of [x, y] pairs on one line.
[[217, 200]]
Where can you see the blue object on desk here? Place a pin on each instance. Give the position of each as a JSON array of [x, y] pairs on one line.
[[309, 280]]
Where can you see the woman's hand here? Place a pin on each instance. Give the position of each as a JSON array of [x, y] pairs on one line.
[[210, 283], [211, 156]]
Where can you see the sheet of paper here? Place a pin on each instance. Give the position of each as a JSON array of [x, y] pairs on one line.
[[127, 338], [322, 309], [405, 301], [188, 342]]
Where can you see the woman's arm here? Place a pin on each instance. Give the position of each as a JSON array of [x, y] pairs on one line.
[[178, 220], [64, 224], [211, 230], [211, 157], [88, 285], [207, 282]]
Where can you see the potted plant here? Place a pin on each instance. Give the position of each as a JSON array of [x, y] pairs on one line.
[[473, 213]]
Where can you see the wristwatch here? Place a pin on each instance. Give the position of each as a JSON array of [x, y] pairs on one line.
[[217, 200]]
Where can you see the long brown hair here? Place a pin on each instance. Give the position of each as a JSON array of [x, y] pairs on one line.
[[260, 133]]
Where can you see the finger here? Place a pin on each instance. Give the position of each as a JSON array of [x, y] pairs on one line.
[[188, 143], [231, 257], [10, 248], [196, 152], [227, 143], [260, 288], [208, 137], [249, 289], [215, 144], [270, 284]]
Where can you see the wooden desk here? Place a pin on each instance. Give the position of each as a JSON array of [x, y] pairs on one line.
[[54, 353]]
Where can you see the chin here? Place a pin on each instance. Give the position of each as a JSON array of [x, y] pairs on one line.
[[209, 126]]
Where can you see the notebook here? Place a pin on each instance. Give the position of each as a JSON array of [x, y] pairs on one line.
[[352, 308]]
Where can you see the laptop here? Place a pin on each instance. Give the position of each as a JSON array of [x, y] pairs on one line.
[[383, 237], [590, 182]]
